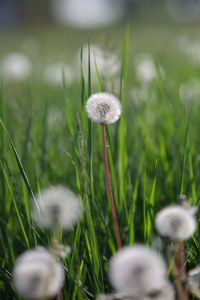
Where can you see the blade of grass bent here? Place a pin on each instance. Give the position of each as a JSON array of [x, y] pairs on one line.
[[20, 167]]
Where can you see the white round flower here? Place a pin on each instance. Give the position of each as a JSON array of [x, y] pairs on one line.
[[15, 66], [59, 206], [37, 274], [103, 108], [137, 270], [176, 222], [58, 73]]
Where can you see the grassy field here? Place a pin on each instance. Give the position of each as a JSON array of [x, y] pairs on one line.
[[153, 150]]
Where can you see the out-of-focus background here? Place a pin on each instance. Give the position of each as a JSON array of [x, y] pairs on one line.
[[44, 37], [153, 149]]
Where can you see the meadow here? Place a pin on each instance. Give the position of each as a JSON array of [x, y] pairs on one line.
[[47, 139]]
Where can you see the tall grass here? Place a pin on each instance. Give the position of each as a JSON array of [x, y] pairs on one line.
[[153, 155]]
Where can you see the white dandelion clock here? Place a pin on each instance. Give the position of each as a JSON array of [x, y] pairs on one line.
[[176, 222], [137, 271], [59, 206], [37, 274], [103, 108], [15, 66]]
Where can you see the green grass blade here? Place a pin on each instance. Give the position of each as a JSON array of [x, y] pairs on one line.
[[21, 169], [15, 205]]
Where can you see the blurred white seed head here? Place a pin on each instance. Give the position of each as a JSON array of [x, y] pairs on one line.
[[59, 206], [107, 63], [15, 66], [103, 108], [60, 250], [136, 271], [58, 73], [189, 91], [37, 274], [145, 68], [176, 222]]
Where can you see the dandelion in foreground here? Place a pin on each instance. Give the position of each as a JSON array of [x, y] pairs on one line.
[[103, 108], [176, 222], [37, 274], [137, 271], [59, 206]]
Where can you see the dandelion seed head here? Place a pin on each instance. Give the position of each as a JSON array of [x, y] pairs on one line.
[[137, 270], [103, 108], [59, 207], [37, 275], [15, 66], [176, 222]]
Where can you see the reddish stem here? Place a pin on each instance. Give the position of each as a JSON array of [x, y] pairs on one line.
[[59, 296], [110, 189], [181, 269]]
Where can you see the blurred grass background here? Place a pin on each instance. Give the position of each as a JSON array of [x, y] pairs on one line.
[[153, 150]]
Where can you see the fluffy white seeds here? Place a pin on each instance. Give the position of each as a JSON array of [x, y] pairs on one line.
[[37, 275], [176, 222], [15, 66], [137, 271], [59, 207], [103, 108]]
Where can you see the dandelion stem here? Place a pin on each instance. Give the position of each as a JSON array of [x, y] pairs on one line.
[[181, 270], [117, 234], [59, 296]]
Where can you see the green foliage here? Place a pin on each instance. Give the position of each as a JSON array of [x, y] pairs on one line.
[[153, 154]]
